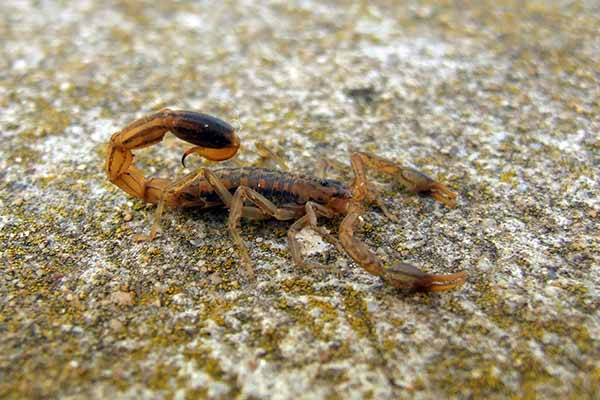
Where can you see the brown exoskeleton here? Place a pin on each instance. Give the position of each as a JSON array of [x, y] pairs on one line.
[[258, 193]]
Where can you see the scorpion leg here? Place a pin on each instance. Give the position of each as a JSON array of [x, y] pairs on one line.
[[178, 187], [401, 274], [226, 197], [237, 210], [310, 219], [324, 165], [171, 192], [267, 154], [374, 196]]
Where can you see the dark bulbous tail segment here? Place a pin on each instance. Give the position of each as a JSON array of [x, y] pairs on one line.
[[213, 138]]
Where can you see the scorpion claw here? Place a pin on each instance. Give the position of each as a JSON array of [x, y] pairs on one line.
[[406, 275], [420, 183], [442, 194]]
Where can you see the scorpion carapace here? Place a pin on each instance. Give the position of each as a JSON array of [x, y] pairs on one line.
[[258, 193]]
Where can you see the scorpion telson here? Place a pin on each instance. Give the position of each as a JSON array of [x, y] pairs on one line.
[[258, 193]]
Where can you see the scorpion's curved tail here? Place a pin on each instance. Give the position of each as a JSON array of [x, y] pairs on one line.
[[214, 139]]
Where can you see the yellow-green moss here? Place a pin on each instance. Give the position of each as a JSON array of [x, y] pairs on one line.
[[357, 315]]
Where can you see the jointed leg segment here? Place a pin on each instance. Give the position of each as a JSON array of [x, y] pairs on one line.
[[265, 209], [310, 220], [168, 193], [235, 203]]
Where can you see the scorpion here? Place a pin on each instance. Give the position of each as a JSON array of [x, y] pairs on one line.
[[259, 193]]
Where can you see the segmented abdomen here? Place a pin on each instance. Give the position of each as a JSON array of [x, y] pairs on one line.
[[277, 186]]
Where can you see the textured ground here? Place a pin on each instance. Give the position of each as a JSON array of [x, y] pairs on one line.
[[500, 100]]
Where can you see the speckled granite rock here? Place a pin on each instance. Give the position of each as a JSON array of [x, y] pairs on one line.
[[498, 99]]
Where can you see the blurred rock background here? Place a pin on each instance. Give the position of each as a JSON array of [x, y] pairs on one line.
[[500, 100]]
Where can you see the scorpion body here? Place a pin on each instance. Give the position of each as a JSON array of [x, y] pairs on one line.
[[258, 193], [282, 188]]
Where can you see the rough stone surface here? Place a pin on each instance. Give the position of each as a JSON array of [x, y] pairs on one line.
[[500, 100]]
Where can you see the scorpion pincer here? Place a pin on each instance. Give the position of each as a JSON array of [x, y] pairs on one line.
[[258, 193]]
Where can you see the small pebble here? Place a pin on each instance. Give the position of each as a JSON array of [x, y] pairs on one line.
[[123, 298], [127, 217], [115, 325], [215, 279], [197, 242]]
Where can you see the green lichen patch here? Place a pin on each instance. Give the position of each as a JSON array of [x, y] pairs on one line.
[[356, 313]]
